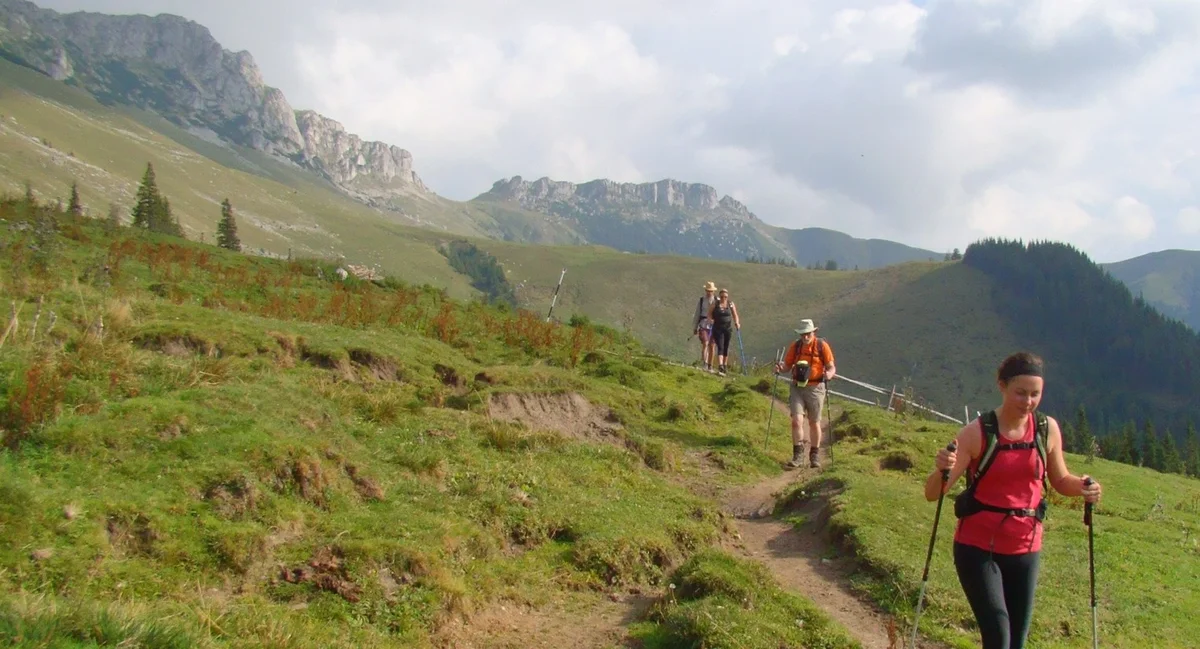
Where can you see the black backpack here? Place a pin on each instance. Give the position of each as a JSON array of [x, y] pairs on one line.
[[966, 504]]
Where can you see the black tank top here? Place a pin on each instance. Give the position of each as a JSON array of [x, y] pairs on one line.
[[723, 318]]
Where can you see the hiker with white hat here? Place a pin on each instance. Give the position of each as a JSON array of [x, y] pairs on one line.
[[809, 361], [702, 324]]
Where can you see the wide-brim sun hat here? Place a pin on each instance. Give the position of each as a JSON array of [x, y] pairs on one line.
[[710, 286], [806, 326]]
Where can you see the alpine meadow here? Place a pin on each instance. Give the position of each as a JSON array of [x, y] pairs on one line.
[[262, 386]]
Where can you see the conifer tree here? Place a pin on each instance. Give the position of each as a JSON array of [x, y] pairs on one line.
[[1133, 444], [1191, 451], [1081, 433], [227, 236], [75, 207], [146, 202], [1172, 462], [151, 210], [1151, 448]]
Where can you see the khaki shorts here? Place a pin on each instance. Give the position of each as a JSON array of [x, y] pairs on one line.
[[810, 397]]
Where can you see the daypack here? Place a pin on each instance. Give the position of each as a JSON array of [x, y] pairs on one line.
[[966, 504], [802, 369]]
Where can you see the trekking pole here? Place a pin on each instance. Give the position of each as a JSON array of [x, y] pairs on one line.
[[774, 382], [829, 418], [929, 555], [741, 351], [1087, 520]]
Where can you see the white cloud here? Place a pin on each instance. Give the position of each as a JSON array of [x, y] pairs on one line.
[[1188, 220], [1134, 219]]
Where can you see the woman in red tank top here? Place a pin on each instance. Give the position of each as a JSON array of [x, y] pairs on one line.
[[998, 541]]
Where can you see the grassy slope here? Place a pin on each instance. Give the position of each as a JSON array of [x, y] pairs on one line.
[[217, 434], [1168, 279], [881, 323], [110, 150], [191, 479], [1147, 551]]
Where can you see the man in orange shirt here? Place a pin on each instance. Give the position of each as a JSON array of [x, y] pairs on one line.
[[809, 361]]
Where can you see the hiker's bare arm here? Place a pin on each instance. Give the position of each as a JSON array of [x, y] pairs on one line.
[[1060, 476], [958, 461]]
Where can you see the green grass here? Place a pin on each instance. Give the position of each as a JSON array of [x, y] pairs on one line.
[[249, 455], [1146, 549]]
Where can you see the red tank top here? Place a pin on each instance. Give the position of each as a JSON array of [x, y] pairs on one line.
[[1013, 481]]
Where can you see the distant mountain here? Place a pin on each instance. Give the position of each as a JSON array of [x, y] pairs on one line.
[[1169, 280], [175, 68], [674, 217]]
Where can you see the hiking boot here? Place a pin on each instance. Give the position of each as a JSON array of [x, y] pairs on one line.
[[721, 371], [813, 460], [795, 463]]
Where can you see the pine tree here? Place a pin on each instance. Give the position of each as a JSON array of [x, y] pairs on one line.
[[146, 203], [227, 236], [1081, 438], [1172, 462], [1130, 446], [1191, 451], [1151, 448], [164, 221], [75, 207]]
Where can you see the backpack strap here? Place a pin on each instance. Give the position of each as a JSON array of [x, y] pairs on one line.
[[966, 503], [991, 442]]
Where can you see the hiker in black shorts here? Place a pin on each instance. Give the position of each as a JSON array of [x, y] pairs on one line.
[[702, 324], [724, 317]]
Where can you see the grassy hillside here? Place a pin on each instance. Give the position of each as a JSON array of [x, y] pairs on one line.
[[1169, 280], [920, 322], [247, 455], [52, 135], [244, 454], [818, 245]]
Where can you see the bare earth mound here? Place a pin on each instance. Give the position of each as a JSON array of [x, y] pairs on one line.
[[513, 626], [569, 414]]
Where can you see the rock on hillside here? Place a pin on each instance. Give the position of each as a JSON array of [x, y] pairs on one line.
[[174, 67]]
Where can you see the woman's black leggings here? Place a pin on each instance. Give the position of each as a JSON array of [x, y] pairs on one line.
[[721, 337], [1000, 590]]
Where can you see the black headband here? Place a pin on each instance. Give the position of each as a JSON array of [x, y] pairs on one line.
[[1021, 368]]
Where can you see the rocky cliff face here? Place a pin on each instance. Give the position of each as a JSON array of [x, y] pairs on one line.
[[176, 68], [635, 198]]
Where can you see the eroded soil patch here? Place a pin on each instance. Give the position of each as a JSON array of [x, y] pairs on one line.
[[569, 414], [507, 625]]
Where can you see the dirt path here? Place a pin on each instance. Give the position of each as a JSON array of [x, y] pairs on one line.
[[803, 559]]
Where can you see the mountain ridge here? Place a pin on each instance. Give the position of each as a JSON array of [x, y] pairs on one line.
[[176, 68]]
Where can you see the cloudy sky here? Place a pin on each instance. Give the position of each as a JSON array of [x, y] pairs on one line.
[[933, 123]]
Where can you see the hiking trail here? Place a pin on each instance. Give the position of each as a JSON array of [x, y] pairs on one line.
[[802, 558]]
